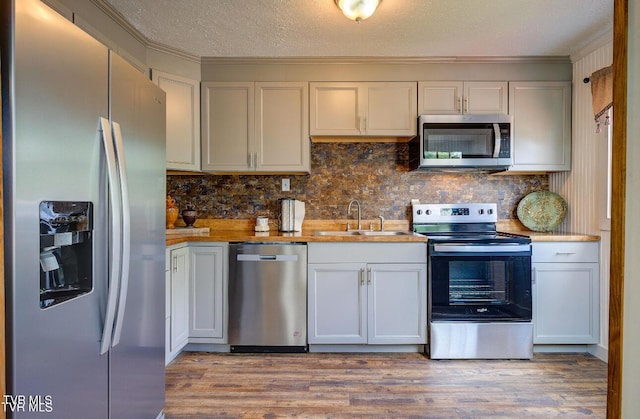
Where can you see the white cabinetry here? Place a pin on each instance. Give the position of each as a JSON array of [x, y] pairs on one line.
[[183, 120], [255, 127], [367, 293], [208, 293], [566, 292], [350, 109], [178, 277], [337, 304], [167, 307], [541, 130], [458, 97]]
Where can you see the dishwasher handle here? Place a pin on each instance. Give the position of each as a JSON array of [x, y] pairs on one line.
[[266, 258]]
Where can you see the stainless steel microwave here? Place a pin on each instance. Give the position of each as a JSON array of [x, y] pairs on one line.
[[480, 142]]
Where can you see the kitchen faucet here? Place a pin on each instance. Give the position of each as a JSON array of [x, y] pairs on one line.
[[354, 201]]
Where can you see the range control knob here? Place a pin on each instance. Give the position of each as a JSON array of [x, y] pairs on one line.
[[428, 212], [480, 211], [419, 212], [489, 211]]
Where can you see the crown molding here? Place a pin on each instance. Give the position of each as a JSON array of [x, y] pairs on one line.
[[166, 49], [599, 40], [381, 60], [118, 18]]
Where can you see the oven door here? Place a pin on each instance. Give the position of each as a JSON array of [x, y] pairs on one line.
[[483, 283]]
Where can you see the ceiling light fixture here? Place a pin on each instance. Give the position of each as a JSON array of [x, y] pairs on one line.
[[358, 9]]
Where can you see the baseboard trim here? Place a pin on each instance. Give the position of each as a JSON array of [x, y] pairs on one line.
[[599, 352], [365, 348]]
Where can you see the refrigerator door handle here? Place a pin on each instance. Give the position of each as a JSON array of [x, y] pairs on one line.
[[126, 232], [114, 203]]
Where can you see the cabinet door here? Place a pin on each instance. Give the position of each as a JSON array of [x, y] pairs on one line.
[[439, 97], [183, 120], [335, 109], [566, 303], [391, 109], [207, 293], [282, 127], [397, 295], [541, 129], [227, 126], [167, 312], [337, 303], [485, 97], [179, 298]]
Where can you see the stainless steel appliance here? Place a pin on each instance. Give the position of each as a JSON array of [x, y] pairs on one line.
[[268, 297], [478, 142], [84, 238], [479, 283]]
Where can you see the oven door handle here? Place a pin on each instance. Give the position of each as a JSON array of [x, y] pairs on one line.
[[493, 248]]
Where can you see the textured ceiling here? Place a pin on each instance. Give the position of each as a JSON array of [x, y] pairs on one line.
[[399, 28]]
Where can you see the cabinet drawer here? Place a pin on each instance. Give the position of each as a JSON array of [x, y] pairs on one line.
[[565, 252]]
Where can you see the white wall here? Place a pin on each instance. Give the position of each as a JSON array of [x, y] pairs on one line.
[[631, 309], [580, 186]]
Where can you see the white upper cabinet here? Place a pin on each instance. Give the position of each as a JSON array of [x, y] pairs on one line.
[[183, 120], [255, 127], [458, 97], [282, 127], [227, 126], [351, 109], [541, 130]]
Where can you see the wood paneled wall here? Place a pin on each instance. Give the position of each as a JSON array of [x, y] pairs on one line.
[[577, 186]]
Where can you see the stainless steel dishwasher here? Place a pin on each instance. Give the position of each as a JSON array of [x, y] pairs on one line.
[[268, 297]]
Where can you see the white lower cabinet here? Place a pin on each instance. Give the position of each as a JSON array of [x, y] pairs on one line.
[[566, 293], [178, 324], [196, 277], [354, 301], [208, 293]]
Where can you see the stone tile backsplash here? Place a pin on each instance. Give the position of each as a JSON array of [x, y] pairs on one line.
[[376, 174]]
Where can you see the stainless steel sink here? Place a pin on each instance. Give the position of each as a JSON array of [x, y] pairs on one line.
[[363, 233], [386, 233], [336, 233]]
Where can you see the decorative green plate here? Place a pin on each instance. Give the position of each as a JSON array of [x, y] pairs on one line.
[[542, 210]]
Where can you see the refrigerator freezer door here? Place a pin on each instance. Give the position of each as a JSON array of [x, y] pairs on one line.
[[54, 154], [137, 360]]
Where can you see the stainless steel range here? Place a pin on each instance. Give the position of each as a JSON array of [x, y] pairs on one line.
[[479, 284]]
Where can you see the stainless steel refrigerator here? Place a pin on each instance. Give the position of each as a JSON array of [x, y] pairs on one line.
[[84, 188]]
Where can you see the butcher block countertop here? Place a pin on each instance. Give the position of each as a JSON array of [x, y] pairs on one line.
[[243, 231], [515, 227]]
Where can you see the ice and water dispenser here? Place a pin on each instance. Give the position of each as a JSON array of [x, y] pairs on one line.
[[66, 237]]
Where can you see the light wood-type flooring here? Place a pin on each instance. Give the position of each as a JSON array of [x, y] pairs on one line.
[[205, 385]]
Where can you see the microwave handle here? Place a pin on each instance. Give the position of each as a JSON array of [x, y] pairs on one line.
[[498, 141]]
